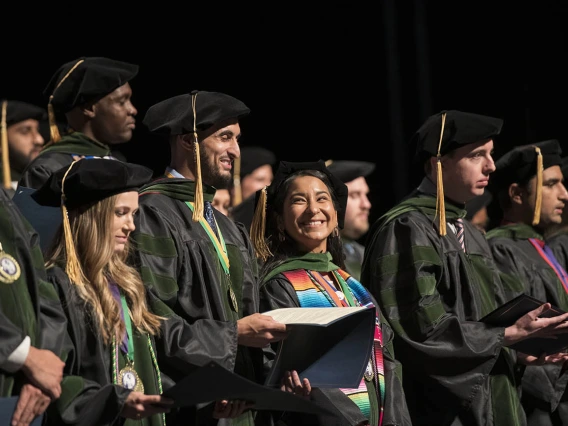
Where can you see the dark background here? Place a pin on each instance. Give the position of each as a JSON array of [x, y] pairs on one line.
[[350, 81]]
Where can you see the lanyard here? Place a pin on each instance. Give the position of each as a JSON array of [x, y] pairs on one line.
[[128, 325]]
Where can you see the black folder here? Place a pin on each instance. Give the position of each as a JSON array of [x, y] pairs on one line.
[[212, 382], [508, 313], [7, 408], [331, 355]]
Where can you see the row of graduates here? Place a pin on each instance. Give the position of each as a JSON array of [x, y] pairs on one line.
[[203, 276], [189, 293]]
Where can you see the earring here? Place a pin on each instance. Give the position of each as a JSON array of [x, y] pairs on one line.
[[281, 235]]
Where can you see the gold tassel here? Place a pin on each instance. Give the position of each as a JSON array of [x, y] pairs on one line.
[[538, 201], [53, 129], [440, 203], [72, 266], [198, 198], [237, 190], [7, 175], [258, 227]]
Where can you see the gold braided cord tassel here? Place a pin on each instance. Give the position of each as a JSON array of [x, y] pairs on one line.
[[538, 201], [258, 228], [53, 129], [6, 174], [198, 200], [440, 203], [72, 266], [237, 190]]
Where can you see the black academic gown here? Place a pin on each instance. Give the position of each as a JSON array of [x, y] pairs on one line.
[[278, 292], [179, 264], [89, 395], [57, 155], [28, 305], [559, 245], [354, 253], [544, 387], [456, 370]]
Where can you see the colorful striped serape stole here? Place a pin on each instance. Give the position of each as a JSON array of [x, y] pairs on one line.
[[313, 293]]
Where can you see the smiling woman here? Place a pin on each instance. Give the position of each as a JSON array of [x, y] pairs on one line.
[[303, 266]]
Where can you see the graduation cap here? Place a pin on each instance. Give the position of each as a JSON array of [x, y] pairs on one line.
[[83, 80], [265, 199], [459, 128], [350, 170], [15, 112], [524, 162], [190, 113], [446, 131], [85, 182], [252, 157]]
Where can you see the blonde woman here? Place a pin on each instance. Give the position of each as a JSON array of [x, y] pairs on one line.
[[112, 374]]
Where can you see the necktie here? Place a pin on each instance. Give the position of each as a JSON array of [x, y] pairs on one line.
[[460, 232], [209, 217]]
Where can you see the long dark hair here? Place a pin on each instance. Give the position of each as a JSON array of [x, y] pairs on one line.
[[281, 245]]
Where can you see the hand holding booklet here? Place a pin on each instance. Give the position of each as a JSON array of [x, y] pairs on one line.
[[329, 346], [212, 382], [508, 313]]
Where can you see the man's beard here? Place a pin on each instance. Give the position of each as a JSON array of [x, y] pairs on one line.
[[19, 161], [210, 174]]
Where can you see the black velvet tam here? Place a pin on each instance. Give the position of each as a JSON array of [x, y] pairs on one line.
[[460, 128], [175, 116], [91, 180], [90, 80]]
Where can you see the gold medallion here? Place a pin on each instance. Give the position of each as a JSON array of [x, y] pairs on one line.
[[129, 379], [9, 269], [369, 373], [233, 299]]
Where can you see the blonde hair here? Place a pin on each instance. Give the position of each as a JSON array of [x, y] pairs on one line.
[[94, 244]]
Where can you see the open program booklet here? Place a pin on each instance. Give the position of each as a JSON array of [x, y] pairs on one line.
[[329, 346]]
